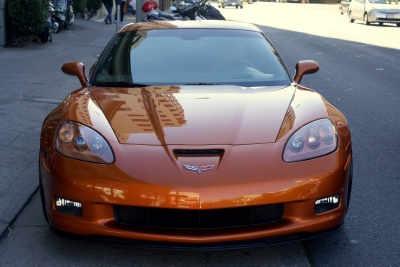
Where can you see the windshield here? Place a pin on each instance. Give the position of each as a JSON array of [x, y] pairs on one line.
[[189, 56], [388, 2]]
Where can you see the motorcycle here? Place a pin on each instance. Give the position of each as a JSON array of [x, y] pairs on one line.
[[198, 10], [63, 14], [54, 23], [210, 12]]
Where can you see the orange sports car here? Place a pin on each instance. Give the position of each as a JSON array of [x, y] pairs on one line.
[[192, 135]]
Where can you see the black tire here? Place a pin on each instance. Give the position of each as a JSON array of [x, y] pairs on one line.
[[380, 23], [223, 6], [351, 20], [59, 25], [398, 24], [350, 185], [241, 7], [213, 16], [42, 196], [366, 22], [44, 36], [237, 6]]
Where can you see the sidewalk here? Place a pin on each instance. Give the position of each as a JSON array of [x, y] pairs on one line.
[[32, 85]]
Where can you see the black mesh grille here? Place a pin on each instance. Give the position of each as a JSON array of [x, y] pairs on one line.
[[198, 219], [198, 152]]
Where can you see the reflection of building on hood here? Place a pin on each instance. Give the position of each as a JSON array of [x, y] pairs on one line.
[[143, 110]]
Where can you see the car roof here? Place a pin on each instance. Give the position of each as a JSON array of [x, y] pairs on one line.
[[190, 24]]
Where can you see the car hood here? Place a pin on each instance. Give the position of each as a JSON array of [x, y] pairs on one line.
[[195, 115]]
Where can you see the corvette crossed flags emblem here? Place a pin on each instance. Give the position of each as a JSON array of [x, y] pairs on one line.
[[198, 169]]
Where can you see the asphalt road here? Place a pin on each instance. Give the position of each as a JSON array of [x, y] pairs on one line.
[[359, 74]]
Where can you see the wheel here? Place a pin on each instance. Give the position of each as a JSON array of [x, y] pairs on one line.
[[350, 185], [42, 196], [213, 16], [223, 6], [380, 23], [398, 24], [237, 6], [350, 17], [58, 28], [366, 22], [44, 36], [241, 7]]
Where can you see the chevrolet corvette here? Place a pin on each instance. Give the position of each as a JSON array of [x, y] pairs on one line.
[[192, 135]]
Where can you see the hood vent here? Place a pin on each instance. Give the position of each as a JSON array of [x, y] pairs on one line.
[[198, 152]]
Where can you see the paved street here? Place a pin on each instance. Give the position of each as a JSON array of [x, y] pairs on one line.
[[359, 74]]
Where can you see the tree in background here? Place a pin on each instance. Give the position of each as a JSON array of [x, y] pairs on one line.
[[92, 7], [86, 8], [28, 19]]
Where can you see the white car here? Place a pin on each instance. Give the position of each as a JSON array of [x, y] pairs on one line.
[[375, 11]]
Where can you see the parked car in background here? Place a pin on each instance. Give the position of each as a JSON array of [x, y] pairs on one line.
[[235, 3], [292, 1], [344, 6], [375, 11]]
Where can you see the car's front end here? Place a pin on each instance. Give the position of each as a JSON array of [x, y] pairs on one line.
[[236, 3], [383, 12], [252, 160]]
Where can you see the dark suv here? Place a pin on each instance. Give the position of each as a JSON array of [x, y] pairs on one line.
[[236, 3]]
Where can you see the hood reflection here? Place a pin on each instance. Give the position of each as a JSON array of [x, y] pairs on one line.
[[142, 110]]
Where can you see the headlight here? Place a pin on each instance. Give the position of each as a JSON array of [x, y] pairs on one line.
[[313, 140], [78, 141]]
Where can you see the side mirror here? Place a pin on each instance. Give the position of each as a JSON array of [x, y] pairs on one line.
[[76, 69], [305, 67]]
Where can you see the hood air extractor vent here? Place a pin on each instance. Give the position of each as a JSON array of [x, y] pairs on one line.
[[198, 152]]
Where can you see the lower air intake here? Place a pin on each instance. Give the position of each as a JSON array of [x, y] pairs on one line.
[[198, 219]]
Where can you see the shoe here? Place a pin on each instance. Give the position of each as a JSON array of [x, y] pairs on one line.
[[115, 21], [106, 21]]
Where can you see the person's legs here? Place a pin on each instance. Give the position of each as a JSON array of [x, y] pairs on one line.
[[122, 10], [109, 10]]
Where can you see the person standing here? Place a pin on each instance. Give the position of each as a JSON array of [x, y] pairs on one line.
[[132, 7], [121, 12], [108, 5]]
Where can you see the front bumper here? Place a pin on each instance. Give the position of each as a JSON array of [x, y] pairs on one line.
[[383, 17], [267, 241], [296, 185]]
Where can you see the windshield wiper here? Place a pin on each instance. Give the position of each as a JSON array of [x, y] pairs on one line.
[[119, 84], [202, 84]]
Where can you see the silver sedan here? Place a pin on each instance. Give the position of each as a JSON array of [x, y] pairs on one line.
[[375, 11]]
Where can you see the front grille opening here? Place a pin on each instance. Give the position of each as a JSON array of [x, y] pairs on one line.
[[198, 219], [198, 152]]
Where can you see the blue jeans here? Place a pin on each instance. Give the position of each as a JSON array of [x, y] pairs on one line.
[[109, 11], [131, 10]]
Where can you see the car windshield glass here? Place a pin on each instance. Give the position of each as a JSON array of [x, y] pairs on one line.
[[388, 2], [190, 56]]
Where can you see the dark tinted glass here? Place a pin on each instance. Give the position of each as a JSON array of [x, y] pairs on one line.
[[191, 56]]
